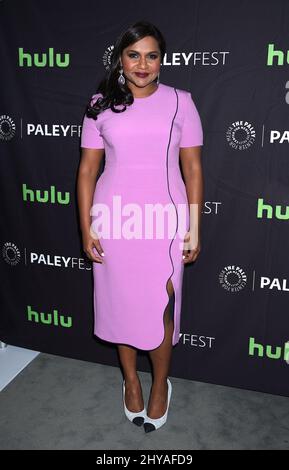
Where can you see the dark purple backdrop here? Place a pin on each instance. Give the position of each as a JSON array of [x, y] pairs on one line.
[[225, 53]]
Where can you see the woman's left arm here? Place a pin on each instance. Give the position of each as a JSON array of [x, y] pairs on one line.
[[193, 177]]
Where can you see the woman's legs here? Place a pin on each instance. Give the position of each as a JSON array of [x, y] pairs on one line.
[[161, 358], [133, 391]]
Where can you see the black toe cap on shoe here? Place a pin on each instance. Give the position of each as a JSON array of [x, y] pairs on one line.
[[148, 427], [138, 420]]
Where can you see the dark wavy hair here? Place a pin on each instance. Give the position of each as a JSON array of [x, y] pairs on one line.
[[114, 94]]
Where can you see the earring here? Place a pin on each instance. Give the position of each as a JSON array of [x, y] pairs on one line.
[[158, 80], [121, 79]]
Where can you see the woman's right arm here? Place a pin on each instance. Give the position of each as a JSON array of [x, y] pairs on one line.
[[86, 181]]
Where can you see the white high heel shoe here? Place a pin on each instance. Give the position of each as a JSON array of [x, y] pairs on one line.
[[135, 417], [151, 424]]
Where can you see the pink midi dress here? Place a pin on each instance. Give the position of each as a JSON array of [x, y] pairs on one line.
[[142, 169]]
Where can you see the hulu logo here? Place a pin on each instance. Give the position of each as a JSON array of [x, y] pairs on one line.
[[45, 196], [268, 209], [49, 318], [271, 352], [45, 59], [278, 54]]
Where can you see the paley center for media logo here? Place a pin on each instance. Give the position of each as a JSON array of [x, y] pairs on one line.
[[233, 278], [13, 255], [31, 129], [7, 128]]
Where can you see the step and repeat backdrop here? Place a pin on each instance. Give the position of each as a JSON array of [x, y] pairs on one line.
[[234, 59]]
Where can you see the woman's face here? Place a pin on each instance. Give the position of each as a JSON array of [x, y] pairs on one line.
[[144, 57]]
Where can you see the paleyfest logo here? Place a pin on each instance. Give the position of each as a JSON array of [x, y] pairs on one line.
[[233, 278], [11, 253], [150, 221], [7, 127], [241, 135]]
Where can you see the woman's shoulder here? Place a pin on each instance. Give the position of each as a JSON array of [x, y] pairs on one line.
[[184, 96], [187, 99]]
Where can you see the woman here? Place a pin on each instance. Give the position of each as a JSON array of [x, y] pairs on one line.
[[144, 127]]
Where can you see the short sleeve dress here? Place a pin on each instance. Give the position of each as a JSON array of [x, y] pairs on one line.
[[140, 213]]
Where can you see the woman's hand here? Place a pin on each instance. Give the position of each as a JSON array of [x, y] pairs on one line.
[[192, 248], [89, 242]]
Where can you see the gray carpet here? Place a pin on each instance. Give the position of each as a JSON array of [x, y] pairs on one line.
[[61, 403]]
